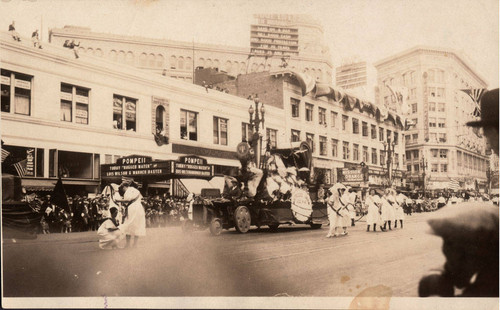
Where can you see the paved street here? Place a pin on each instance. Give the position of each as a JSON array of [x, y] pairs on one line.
[[295, 261]]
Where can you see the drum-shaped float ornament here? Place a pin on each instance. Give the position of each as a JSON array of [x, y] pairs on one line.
[[301, 205]]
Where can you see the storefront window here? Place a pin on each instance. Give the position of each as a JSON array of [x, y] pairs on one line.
[[75, 165]]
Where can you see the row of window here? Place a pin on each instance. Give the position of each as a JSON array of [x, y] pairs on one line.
[[74, 108], [434, 137], [322, 120], [471, 162], [435, 167], [346, 149]]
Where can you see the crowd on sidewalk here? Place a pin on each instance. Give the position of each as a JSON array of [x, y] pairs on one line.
[[86, 214]]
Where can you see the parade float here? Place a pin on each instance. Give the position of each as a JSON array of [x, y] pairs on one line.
[[271, 194]]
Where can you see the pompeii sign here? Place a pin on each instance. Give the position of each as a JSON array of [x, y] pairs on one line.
[[143, 166]]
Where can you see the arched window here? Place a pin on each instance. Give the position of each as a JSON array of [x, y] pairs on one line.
[[98, 52], [260, 68], [90, 50], [227, 67], [160, 117], [189, 63], [143, 60], [181, 63], [160, 60], [208, 63], [112, 55], [216, 64], [121, 56], [152, 60], [173, 62], [201, 63], [81, 50], [254, 67], [129, 58]]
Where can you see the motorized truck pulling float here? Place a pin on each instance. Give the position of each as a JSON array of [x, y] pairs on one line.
[[276, 194]]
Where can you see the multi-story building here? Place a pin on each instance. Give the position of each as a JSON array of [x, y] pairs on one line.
[[438, 109], [343, 131], [64, 117], [351, 75], [179, 59]]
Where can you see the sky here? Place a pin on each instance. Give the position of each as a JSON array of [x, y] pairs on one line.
[[366, 30]]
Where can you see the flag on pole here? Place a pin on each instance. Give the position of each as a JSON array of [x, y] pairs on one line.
[[401, 95], [59, 197], [20, 167], [5, 154], [475, 94]]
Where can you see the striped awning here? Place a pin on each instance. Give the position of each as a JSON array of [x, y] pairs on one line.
[[454, 185]]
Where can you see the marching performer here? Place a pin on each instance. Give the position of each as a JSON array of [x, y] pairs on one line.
[[399, 211], [135, 221], [373, 216], [388, 215], [334, 207]]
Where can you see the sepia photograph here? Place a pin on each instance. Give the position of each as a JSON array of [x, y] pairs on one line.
[[217, 154]]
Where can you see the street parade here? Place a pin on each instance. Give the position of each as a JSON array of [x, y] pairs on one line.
[[167, 162]]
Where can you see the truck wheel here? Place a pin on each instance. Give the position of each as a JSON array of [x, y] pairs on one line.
[[215, 226], [242, 219], [273, 227], [316, 226], [187, 226]]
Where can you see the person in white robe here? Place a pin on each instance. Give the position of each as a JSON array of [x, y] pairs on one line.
[[334, 207], [109, 233], [399, 211], [373, 216], [135, 221], [388, 215]]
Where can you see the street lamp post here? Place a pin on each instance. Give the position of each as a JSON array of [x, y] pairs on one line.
[[389, 151], [423, 166], [255, 123]]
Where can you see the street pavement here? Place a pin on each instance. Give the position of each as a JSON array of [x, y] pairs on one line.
[[294, 261]]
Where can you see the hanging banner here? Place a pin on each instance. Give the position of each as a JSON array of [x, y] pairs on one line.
[[30, 162]]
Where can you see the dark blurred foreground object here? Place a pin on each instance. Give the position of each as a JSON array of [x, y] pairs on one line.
[[470, 245], [489, 118], [18, 219]]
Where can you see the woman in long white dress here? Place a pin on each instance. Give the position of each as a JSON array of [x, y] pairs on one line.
[[135, 220], [334, 207], [373, 216]]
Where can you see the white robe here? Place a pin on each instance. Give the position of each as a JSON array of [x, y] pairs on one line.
[[387, 210], [135, 222], [399, 212], [334, 219], [373, 216], [109, 239]]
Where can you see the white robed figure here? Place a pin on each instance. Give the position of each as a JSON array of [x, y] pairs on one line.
[[334, 207], [135, 220], [388, 215], [110, 236], [373, 217]]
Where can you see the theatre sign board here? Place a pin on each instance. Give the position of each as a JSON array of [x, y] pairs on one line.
[[144, 166]]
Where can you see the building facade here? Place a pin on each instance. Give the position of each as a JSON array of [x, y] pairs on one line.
[[64, 117], [351, 75], [342, 130], [179, 59], [440, 148]]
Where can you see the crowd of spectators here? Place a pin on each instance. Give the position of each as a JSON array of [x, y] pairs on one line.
[[87, 214]]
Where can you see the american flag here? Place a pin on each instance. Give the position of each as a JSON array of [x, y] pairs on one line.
[[21, 167], [454, 184], [5, 154], [476, 94]]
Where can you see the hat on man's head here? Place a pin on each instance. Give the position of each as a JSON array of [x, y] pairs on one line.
[[489, 110]]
